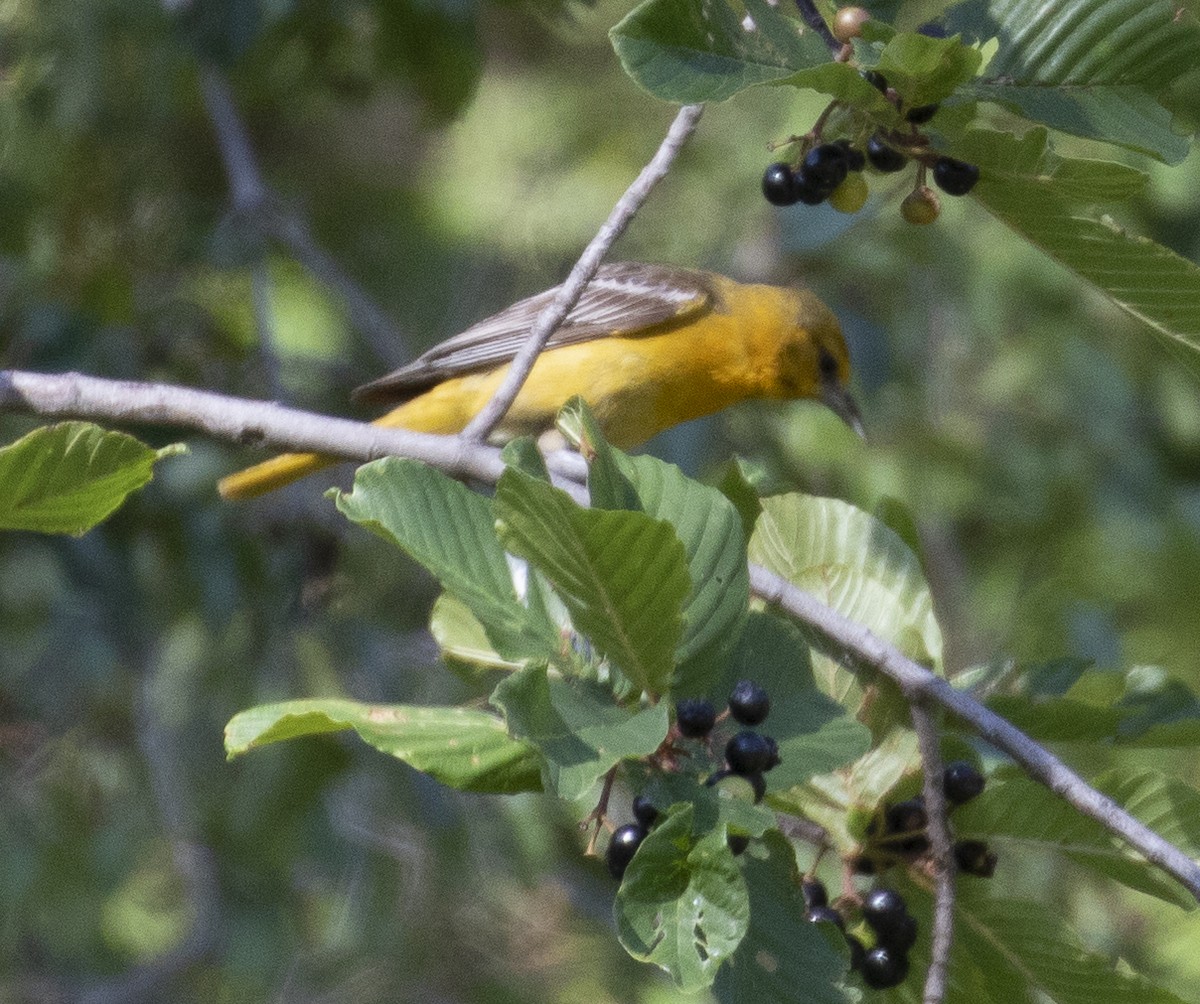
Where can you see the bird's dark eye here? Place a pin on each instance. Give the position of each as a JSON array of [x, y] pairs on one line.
[[827, 365]]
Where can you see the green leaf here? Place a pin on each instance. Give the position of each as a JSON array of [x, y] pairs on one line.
[[1144, 279], [814, 733], [523, 454], [450, 530], [782, 951], [1158, 710], [1168, 806], [461, 747], [854, 564], [710, 529], [578, 727], [683, 903], [926, 70], [462, 639], [1030, 954], [729, 804], [622, 575], [690, 51], [66, 478], [1093, 68], [1016, 816], [735, 485]]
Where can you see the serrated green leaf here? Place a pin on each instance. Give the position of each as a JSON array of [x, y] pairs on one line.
[[708, 526], [450, 530], [1093, 68], [708, 50], [1165, 804], [461, 747], [579, 729], [1017, 815], [814, 733], [926, 70], [1144, 279], [856, 565], [66, 478], [1030, 954], [523, 454], [735, 485], [622, 575], [683, 903], [461, 637], [782, 951]]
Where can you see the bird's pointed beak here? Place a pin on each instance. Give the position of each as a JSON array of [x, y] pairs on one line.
[[839, 400]]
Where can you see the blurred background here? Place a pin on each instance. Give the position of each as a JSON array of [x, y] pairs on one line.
[[429, 162]]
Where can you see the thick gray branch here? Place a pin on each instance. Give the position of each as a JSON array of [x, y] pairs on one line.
[[918, 683]]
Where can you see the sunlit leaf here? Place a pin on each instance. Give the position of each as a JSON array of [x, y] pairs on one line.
[[66, 478], [464, 748]]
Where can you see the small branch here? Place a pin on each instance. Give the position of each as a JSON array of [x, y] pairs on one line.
[[928, 740], [253, 199], [918, 683], [549, 320], [72, 395], [263, 423], [812, 17]]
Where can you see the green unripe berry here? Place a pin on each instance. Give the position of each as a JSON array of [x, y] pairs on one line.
[[921, 206], [851, 195]]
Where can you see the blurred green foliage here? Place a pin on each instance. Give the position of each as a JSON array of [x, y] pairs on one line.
[[451, 156]]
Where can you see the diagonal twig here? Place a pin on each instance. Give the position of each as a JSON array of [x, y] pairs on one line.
[[551, 317], [254, 200]]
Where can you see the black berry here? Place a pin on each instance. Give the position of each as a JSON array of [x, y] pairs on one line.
[[954, 177], [883, 157], [883, 968], [974, 857], [779, 186], [902, 936], [747, 753], [856, 160], [814, 893], [876, 80], [695, 717], [644, 811], [825, 166], [737, 843], [858, 951], [622, 846], [884, 910], [825, 914], [931, 29], [809, 192], [921, 114], [961, 782], [773, 757], [906, 822], [749, 703]]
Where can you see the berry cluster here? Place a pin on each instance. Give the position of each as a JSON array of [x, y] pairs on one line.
[[833, 169], [893, 928], [747, 755], [902, 830]]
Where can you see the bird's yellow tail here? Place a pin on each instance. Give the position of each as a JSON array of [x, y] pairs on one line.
[[272, 474]]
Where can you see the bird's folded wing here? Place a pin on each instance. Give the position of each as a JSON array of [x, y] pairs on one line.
[[623, 299]]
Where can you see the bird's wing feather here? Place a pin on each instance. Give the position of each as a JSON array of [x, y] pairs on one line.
[[623, 299]]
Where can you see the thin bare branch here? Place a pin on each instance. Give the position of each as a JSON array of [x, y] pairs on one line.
[[551, 317], [254, 201], [928, 741], [812, 17], [918, 683]]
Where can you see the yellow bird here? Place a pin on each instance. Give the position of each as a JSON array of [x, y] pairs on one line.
[[647, 346]]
